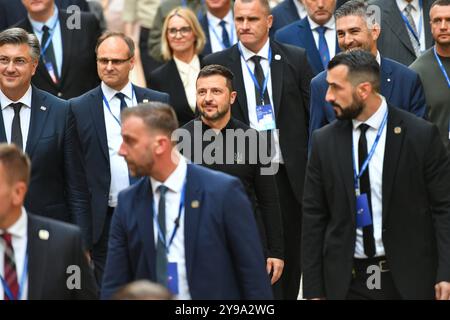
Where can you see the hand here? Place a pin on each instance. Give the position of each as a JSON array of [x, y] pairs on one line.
[[275, 266], [442, 290]]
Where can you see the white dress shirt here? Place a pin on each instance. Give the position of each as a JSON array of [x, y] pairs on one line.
[[250, 90], [19, 238], [118, 165], [300, 9], [25, 115], [375, 175], [56, 38], [417, 15], [175, 184], [188, 74], [215, 30], [330, 35]]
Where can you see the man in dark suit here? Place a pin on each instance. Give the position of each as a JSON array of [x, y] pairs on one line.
[[44, 127], [379, 229], [402, 41], [97, 115], [218, 25], [282, 110], [316, 33], [235, 149], [177, 226], [67, 65], [29, 244], [399, 85]]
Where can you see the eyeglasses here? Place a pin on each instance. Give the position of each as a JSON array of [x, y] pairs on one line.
[[114, 62], [184, 31], [17, 62]]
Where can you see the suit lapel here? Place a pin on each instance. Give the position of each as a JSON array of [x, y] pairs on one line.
[[276, 70], [205, 25], [37, 258], [66, 39], [98, 116], [192, 211], [395, 133], [39, 114], [2, 127], [310, 46], [236, 68], [387, 82]]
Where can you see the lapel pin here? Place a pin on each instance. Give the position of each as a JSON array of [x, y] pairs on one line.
[[43, 108], [195, 204], [277, 57], [389, 80], [43, 234], [145, 101], [397, 130]]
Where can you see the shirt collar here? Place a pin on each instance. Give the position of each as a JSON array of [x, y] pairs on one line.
[[110, 92], [19, 228], [378, 58], [330, 25], [25, 100], [184, 67], [214, 21], [176, 180], [264, 52], [37, 25], [403, 3], [376, 119]]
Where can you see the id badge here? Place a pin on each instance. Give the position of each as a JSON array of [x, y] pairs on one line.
[[265, 116], [172, 277], [363, 216], [51, 71]]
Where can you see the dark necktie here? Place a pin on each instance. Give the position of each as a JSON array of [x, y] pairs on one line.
[[49, 54], [225, 36], [9, 271], [412, 34], [323, 47], [123, 103], [161, 253], [259, 74], [16, 131], [369, 241]]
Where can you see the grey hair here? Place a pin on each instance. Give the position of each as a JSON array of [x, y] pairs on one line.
[[18, 36], [358, 8]]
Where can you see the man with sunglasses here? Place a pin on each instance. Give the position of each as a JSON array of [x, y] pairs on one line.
[[97, 115]]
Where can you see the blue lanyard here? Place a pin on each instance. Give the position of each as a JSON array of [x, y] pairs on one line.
[[109, 108], [416, 36], [162, 236], [21, 284], [219, 38], [50, 37], [363, 168], [441, 66], [255, 81]]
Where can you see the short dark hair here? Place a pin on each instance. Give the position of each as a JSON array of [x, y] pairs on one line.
[[18, 36], [156, 116], [16, 163], [362, 67], [109, 34], [440, 3], [217, 69]]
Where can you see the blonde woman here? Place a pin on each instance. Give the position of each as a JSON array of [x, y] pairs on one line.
[[181, 42]]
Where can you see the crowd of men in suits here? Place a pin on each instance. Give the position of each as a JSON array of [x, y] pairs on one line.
[[100, 178]]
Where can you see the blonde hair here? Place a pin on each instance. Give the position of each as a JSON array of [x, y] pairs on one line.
[[189, 16]]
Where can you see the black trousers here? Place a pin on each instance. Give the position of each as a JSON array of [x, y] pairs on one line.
[[362, 285], [288, 285], [100, 249]]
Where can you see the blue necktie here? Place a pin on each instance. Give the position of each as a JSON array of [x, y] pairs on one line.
[[323, 46], [225, 37], [161, 253], [123, 103]]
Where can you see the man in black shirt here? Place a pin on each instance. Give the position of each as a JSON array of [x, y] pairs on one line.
[[222, 143]]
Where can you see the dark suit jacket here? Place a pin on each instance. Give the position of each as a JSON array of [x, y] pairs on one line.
[[90, 121], [12, 11], [205, 26], [218, 265], [299, 34], [291, 77], [79, 68], [416, 209], [401, 88], [394, 41], [166, 78], [58, 187], [50, 260]]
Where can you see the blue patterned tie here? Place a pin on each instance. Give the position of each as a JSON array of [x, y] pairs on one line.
[[323, 46], [225, 36], [161, 253]]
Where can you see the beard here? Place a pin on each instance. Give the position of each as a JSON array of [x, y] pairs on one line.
[[351, 112], [219, 114]]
